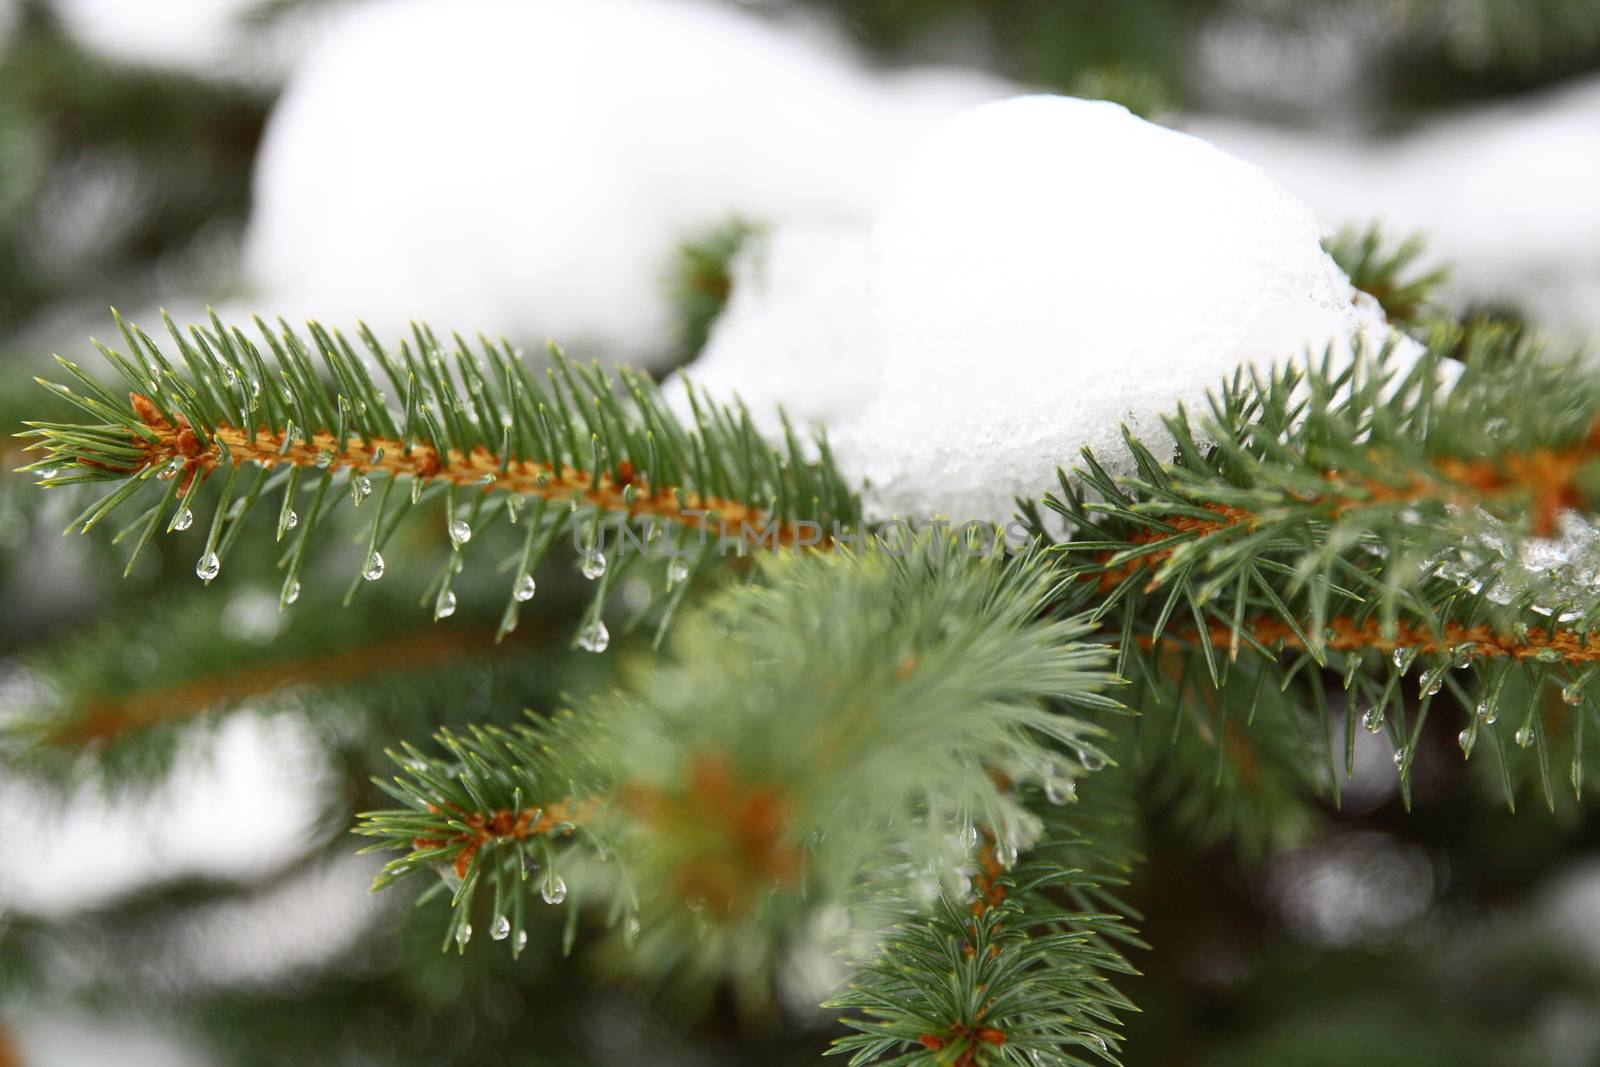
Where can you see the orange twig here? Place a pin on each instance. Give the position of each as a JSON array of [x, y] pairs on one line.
[[105, 718], [504, 824], [1347, 635], [480, 469], [736, 833], [1547, 475]]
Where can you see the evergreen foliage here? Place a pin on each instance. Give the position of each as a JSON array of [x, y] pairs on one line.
[[868, 765], [1319, 534], [585, 455], [739, 793], [1370, 522], [1388, 275]]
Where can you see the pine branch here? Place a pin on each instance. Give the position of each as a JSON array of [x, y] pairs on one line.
[[1018, 972], [702, 279], [584, 453], [1388, 275], [95, 700], [762, 774], [1368, 521]]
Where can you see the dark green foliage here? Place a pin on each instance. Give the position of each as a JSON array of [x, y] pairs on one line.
[[130, 697], [180, 147], [1139, 45]]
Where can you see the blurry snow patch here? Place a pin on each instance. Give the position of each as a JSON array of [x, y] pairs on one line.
[[1374, 779], [9, 10], [1354, 888], [1570, 914], [816, 965], [798, 329], [1504, 194], [252, 615], [48, 1039], [215, 39], [1053, 268], [192, 34], [242, 799], [526, 167], [276, 935]]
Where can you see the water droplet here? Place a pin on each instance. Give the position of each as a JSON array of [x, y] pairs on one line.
[[969, 836], [633, 929], [595, 637], [1399, 757], [292, 520], [416, 488], [1092, 761], [487, 479], [1372, 721], [554, 890], [677, 571], [1573, 694], [500, 929], [1465, 738], [1430, 683], [1461, 655], [1060, 790], [1006, 853], [374, 569], [594, 565], [184, 520], [292, 593], [324, 459], [377, 454], [446, 606], [522, 940], [460, 532], [360, 487], [1399, 658], [526, 587], [208, 567], [1524, 735], [173, 468], [1487, 714], [463, 934]]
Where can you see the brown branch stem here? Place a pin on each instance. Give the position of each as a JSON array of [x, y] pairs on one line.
[[106, 718], [1549, 477], [480, 469], [1348, 635]]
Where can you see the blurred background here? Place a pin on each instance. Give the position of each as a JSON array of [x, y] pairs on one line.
[[179, 766]]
